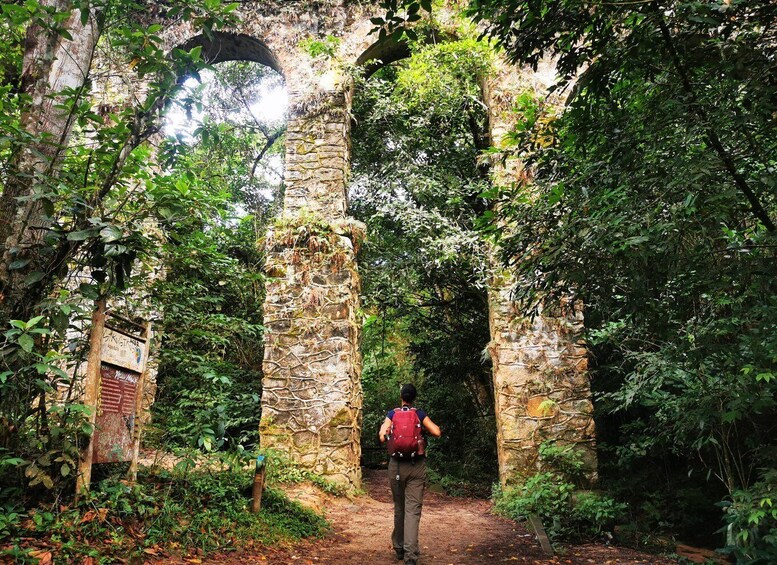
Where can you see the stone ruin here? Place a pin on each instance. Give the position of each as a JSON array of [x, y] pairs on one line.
[[312, 397]]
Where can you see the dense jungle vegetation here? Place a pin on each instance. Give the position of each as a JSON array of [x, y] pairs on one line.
[[652, 199]]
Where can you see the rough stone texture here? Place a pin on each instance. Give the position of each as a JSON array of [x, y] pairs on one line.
[[318, 157], [541, 384], [312, 397]]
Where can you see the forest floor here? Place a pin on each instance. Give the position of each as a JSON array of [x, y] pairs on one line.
[[454, 531]]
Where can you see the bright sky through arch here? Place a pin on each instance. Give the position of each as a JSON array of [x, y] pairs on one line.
[[270, 107]]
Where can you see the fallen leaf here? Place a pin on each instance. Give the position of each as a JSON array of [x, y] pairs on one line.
[[43, 557], [88, 517]]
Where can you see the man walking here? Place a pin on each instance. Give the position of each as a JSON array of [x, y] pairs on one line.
[[404, 428]]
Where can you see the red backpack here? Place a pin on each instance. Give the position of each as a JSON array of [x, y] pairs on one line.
[[406, 440]]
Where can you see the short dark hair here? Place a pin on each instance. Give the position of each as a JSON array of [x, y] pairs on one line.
[[408, 393]]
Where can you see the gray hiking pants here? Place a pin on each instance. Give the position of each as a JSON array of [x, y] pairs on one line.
[[408, 481]]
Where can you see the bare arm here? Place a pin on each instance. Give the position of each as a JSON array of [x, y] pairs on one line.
[[384, 429], [431, 427]]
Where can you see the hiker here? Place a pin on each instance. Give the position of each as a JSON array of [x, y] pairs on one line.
[[404, 427]]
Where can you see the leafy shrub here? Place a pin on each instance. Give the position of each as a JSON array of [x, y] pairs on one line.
[[595, 513], [182, 510], [544, 494], [752, 514], [565, 514]]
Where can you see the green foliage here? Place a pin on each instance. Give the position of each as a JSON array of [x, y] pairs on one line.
[[93, 203], [282, 471], [752, 515], [545, 494], [567, 512], [326, 48], [417, 186], [210, 363], [183, 511], [554, 495], [652, 201], [563, 459]]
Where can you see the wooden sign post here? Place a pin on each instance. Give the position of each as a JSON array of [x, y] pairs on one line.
[[116, 374], [259, 475], [91, 393]]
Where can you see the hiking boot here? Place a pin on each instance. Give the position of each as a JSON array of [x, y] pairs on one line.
[[400, 554], [410, 562]]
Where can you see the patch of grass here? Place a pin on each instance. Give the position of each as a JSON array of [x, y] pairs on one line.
[[181, 511]]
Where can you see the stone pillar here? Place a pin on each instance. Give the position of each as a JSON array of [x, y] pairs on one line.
[[311, 397], [541, 385]]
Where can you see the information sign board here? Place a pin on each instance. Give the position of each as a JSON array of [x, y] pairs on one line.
[[115, 420], [123, 350]]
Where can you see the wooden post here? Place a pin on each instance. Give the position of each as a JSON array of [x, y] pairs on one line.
[[261, 471], [132, 474], [542, 537], [91, 393]]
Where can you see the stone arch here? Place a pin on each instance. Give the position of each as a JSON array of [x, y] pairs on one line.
[[311, 399], [381, 53], [227, 46], [384, 52]]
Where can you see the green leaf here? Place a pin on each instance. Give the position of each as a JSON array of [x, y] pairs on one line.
[[81, 235], [111, 233], [26, 342], [18, 264], [34, 277]]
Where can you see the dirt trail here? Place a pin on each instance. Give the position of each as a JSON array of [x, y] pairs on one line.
[[454, 531]]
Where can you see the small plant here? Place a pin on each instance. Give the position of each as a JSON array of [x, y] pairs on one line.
[[566, 512], [10, 519], [752, 515], [544, 494], [326, 48], [282, 470], [564, 459], [594, 513]]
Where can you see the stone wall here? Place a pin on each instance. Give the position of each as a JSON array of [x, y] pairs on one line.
[[541, 384]]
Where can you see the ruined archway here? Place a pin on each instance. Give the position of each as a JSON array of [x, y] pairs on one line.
[[312, 395]]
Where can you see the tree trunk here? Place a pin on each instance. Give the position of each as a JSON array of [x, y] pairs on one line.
[[55, 69]]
